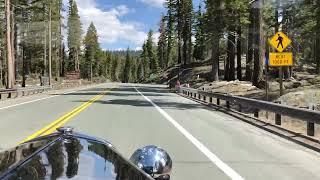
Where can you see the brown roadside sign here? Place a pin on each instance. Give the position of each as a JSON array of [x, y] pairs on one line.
[[280, 41]]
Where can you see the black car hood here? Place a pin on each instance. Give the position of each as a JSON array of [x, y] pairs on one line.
[[72, 156]]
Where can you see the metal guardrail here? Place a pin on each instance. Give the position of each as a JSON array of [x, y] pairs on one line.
[[23, 91], [310, 116]]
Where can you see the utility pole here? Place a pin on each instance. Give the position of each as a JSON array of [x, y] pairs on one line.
[[10, 76], [50, 46]]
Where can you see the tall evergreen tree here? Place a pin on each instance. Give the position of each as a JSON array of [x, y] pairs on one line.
[[92, 52], [145, 60], [170, 30], [214, 28], [200, 43], [74, 36], [162, 44], [187, 21], [151, 53], [317, 32], [140, 73], [127, 66], [259, 42]]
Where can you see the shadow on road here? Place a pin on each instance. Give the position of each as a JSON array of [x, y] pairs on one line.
[[144, 103], [122, 91]]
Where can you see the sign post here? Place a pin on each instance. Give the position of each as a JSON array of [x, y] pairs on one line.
[[280, 42]]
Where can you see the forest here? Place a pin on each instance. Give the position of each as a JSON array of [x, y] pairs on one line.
[[232, 35]]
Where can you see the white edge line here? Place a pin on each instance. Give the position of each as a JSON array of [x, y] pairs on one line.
[[41, 99], [217, 161]]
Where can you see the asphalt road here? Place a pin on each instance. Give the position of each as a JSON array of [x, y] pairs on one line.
[[204, 144]]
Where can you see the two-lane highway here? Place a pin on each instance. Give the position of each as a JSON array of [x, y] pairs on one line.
[[204, 144]]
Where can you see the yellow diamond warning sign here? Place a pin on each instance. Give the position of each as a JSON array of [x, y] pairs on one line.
[[280, 41], [281, 59]]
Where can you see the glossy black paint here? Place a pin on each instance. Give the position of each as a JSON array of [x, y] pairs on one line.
[[67, 157]]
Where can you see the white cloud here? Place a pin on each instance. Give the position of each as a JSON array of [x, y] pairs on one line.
[[109, 26], [139, 48], [154, 3]]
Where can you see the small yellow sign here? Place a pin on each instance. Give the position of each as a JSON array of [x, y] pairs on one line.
[[280, 41], [281, 59]]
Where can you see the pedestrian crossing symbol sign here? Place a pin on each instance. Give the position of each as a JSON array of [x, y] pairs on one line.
[[280, 41]]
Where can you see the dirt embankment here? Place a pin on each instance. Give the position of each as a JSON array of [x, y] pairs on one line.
[[60, 83], [301, 90]]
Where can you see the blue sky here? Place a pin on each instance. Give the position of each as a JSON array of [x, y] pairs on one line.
[[122, 23]]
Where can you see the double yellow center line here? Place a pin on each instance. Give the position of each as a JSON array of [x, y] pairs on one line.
[[50, 128]]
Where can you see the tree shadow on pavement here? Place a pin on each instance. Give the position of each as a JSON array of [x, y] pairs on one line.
[[144, 103], [119, 92]]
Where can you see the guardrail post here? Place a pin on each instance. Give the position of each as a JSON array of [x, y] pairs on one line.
[[240, 108], [256, 113], [228, 104], [9, 95], [310, 125], [218, 102], [278, 117]]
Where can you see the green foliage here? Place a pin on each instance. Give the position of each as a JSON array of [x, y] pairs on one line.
[[162, 44], [93, 54], [151, 55], [127, 68], [74, 35], [200, 44]]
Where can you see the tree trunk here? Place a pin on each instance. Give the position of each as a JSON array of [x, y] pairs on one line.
[[179, 27], [1, 68], [215, 57], [216, 39], [63, 62], [249, 60], [318, 37], [50, 45], [232, 55], [259, 43], [24, 70], [10, 64], [179, 49], [91, 71], [239, 53], [13, 43], [185, 52]]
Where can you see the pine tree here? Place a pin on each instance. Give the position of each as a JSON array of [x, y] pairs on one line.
[[317, 32], [127, 68], [133, 70], [162, 44], [92, 52], [214, 28], [140, 72], [259, 42], [145, 61], [151, 53], [74, 36], [187, 21], [200, 46], [114, 67], [170, 30]]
